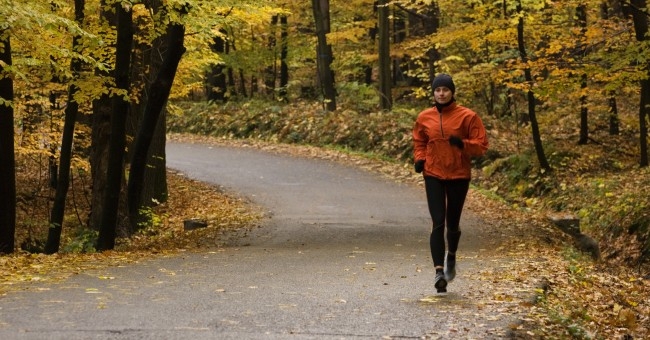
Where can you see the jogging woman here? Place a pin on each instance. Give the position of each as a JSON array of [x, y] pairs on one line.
[[446, 137]]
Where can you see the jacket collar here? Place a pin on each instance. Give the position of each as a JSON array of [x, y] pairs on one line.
[[445, 107]]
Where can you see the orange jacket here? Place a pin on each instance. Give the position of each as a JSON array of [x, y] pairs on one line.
[[431, 141]]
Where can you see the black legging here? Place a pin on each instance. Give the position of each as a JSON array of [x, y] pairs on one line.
[[445, 199]]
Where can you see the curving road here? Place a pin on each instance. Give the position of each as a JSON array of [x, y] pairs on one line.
[[344, 255]]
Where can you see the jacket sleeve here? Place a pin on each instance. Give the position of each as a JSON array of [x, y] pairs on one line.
[[420, 140], [477, 143]]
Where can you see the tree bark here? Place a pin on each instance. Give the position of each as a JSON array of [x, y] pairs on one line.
[[613, 116], [643, 124], [154, 189], [385, 100], [581, 16], [7, 156], [640, 20], [216, 79], [108, 226], [158, 94], [63, 178], [284, 52], [584, 113], [100, 135], [324, 56], [607, 11], [270, 76], [372, 35], [534, 125]]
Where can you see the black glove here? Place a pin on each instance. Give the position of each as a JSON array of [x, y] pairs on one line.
[[419, 165], [457, 142]]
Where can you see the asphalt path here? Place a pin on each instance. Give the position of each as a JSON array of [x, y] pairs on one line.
[[343, 254]]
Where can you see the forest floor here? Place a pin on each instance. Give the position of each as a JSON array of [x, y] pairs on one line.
[[577, 297]]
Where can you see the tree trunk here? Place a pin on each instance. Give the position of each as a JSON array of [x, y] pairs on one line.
[[99, 157], [324, 56], [534, 125], [155, 174], [270, 75], [607, 11], [254, 87], [242, 84], [100, 135], [158, 94], [232, 83], [584, 113], [372, 35], [643, 123], [386, 100], [581, 17], [216, 79], [284, 52], [7, 156], [613, 116], [63, 178], [108, 226], [640, 19]]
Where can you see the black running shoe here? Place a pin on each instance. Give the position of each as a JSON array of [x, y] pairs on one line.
[[441, 283]]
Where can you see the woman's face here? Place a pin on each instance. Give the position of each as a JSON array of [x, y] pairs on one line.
[[442, 95]]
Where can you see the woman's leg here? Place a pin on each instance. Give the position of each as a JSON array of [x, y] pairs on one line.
[[456, 194], [436, 201]]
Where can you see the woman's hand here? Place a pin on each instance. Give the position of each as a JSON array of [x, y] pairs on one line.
[[419, 165], [457, 142]]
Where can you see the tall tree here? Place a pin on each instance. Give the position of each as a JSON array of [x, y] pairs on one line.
[[151, 53], [7, 156], [270, 74], [385, 88], [640, 20], [157, 98], [534, 125], [216, 78], [120, 101], [372, 36], [581, 17], [101, 128], [284, 52], [608, 10], [324, 55], [63, 178]]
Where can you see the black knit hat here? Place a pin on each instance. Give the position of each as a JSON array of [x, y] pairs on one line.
[[443, 80]]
